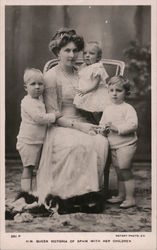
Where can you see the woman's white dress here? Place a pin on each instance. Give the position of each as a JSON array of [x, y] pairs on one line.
[[72, 162]]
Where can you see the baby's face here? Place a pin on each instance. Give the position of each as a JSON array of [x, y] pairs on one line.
[[35, 86], [90, 54], [117, 93]]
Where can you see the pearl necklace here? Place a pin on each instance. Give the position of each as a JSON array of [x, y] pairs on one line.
[[71, 77]]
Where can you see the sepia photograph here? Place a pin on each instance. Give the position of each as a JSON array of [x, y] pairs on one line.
[[78, 148]]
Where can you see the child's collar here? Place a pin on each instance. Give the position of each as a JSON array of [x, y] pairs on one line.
[[118, 104]]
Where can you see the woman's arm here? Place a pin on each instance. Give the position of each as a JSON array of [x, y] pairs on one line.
[[51, 92], [69, 123], [52, 99]]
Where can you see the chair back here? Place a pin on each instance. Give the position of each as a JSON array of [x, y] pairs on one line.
[[113, 67]]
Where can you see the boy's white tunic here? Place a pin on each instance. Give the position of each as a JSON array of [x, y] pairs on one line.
[[32, 130], [124, 117], [34, 121]]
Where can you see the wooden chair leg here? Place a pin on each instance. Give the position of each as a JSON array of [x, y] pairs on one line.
[[106, 175]]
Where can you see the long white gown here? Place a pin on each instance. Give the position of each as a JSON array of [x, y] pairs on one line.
[[72, 162]]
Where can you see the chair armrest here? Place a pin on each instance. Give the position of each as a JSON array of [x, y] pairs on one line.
[[119, 69], [120, 65]]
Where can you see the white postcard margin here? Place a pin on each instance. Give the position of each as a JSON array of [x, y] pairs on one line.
[[139, 240]]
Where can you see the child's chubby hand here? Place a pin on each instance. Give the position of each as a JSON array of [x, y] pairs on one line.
[[95, 77], [92, 132], [103, 130], [97, 130], [112, 127], [58, 114], [81, 92]]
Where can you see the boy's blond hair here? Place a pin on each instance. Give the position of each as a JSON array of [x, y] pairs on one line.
[[99, 49], [30, 72], [122, 81]]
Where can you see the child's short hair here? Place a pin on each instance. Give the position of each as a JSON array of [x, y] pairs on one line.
[[97, 45], [30, 72], [122, 81]]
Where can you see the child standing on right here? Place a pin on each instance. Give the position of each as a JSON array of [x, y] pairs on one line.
[[33, 126], [121, 119]]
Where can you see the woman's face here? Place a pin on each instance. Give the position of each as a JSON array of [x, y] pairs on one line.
[[68, 54]]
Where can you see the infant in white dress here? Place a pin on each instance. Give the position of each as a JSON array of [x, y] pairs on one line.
[[92, 94]]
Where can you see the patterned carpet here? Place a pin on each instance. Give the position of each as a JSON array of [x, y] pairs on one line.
[[113, 219]]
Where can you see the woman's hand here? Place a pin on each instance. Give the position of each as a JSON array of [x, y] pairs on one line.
[[86, 127], [81, 92], [100, 130], [103, 130]]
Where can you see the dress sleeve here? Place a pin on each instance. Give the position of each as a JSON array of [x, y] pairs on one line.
[[104, 75], [52, 93], [131, 122], [101, 71]]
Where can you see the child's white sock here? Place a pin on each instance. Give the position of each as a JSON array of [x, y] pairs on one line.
[[121, 189], [130, 187]]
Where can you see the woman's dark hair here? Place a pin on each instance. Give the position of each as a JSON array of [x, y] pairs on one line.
[[64, 36]]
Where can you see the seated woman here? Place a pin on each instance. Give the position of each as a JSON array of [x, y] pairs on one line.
[[73, 157]]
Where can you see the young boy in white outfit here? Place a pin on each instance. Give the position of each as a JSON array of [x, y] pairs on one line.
[[121, 119], [33, 125]]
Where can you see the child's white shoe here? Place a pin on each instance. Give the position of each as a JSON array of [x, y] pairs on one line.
[[128, 204], [19, 205], [115, 199]]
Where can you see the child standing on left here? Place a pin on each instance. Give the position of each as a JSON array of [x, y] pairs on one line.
[[33, 125]]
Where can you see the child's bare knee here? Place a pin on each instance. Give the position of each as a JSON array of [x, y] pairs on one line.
[[125, 174], [27, 172]]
